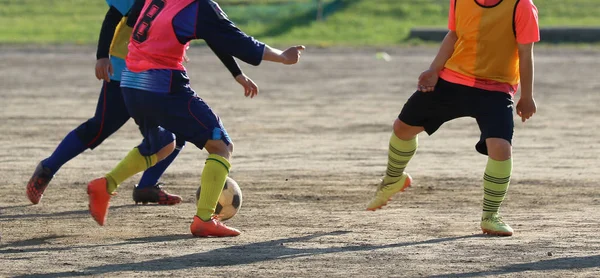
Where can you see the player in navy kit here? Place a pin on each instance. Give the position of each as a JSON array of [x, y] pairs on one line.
[[110, 115]]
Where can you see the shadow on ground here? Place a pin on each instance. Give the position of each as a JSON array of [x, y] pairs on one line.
[[70, 213], [17, 246], [236, 255], [571, 263]]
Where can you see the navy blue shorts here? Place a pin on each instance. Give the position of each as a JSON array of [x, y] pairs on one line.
[[163, 116], [492, 110]]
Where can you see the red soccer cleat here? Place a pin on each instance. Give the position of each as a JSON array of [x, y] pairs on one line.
[[211, 228], [99, 200]]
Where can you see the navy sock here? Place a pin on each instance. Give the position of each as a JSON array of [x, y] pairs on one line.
[[152, 174], [70, 147]]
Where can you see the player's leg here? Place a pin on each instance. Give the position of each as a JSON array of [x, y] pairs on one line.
[[191, 119], [156, 146], [149, 190], [402, 147], [214, 175], [496, 123], [101, 189], [422, 112], [158, 143], [110, 115]]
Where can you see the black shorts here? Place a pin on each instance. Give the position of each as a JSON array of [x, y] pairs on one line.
[[492, 110]]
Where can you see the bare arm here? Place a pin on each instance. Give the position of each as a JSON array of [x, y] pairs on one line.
[[526, 106], [526, 69], [272, 54], [445, 52], [429, 78], [289, 56]]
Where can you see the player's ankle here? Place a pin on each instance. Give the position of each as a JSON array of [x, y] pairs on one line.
[[204, 217]]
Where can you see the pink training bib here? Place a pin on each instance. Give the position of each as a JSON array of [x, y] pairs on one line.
[[154, 44]]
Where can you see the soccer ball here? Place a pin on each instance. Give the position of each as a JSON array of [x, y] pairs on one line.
[[230, 200]]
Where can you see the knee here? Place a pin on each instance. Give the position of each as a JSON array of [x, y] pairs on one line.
[[219, 147], [227, 151], [498, 149], [230, 148], [165, 151], [404, 131]]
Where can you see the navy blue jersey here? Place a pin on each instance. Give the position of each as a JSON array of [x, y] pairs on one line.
[[202, 19]]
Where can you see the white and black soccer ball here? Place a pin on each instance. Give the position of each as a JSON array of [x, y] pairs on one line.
[[230, 200]]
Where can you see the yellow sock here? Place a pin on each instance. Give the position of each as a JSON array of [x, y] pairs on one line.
[[495, 184], [213, 179], [399, 155], [133, 163]]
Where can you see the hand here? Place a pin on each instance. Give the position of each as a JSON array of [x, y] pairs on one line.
[[291, 55], [427, 81], [104, 69], [250, 88], [526, 108]]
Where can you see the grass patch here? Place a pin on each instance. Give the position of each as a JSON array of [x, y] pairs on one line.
[[347, 22]]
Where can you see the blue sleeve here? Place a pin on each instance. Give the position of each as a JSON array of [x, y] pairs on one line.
[[213, 26], [122, 6]]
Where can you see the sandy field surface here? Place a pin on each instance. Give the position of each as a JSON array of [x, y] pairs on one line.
[[308, 152]]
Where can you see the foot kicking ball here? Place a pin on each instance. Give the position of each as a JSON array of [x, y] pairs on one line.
[[230, 200]]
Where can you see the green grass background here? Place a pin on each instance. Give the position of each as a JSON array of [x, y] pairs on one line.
[[347, 22]]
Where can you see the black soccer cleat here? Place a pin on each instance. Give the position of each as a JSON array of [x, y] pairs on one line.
[[155, 194], [38, 182]]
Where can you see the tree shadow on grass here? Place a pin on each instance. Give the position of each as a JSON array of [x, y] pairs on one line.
[[307, 18], [240, 255]]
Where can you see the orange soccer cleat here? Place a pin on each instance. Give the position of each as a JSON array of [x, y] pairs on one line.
[[99, 200], [211, 228]]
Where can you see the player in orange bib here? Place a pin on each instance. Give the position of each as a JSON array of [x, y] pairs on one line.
[[486, 54]]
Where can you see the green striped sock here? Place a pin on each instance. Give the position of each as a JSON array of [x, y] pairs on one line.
[[495, 183], [399, 154], [213, 179]]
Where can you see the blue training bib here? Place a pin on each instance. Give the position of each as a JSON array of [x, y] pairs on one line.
[[123, 6]]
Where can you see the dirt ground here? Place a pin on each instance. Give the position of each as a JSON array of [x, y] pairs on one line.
[[308, 151]]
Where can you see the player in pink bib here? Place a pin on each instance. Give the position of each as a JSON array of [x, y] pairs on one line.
[[158, 96]]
